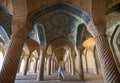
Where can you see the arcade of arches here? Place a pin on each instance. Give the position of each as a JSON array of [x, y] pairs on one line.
[[39, 36]]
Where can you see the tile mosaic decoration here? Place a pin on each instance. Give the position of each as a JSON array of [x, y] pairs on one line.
[[4, 36], [60, 19], [60, 24], [60, 6], [38, 34], [5, 19], [34, 35], [80, 32], [41, 35]]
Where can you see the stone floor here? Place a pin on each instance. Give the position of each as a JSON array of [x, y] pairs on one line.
[[31, 78]]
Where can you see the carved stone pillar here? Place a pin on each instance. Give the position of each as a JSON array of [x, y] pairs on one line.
[[11, 60], [36, 65], [18, 70], [80, 64], [72, 63], [49, 66], [42, 61], [86, 62], [108, 65], [72, 66], [66, 65], [107, 62], [27, 57], [69, 61], [13, 53], [52, 65]]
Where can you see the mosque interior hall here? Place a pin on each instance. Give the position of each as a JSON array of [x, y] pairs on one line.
[[59, 41]]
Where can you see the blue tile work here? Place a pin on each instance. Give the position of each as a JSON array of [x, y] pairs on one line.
[[34, 35], [5, 19], [4, 35], [85, 18], [60, 6], [41, 35], [60, 24], [80, 34], [5, 9], [38, 34]]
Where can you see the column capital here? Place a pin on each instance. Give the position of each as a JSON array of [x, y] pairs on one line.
[[100, 37], [97, 28], [21, 31], [27, 56], [42, 47], [81, 48]]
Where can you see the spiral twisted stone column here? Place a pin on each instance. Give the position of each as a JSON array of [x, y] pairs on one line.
[[11, 60], [110, 71]]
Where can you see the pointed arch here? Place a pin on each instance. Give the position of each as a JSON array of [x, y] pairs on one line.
[[113, 8], [5, 9], [38, 34], [41, 34], [4, 35], [79, 36], [114, 44], [58, 37], [64, 7]]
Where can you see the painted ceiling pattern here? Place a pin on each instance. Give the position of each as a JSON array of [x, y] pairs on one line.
[[60, 24], [60, 6], [60, 19], [80, 31]]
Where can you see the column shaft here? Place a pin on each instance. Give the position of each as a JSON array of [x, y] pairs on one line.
[[69, 65], [49, 66], [11, 60], [52, 65], [66, 65], [19, 66], [36, 66], [108, 65], [26, 65], [80, 64], [41, 67], [72, 66], [86, 62]]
